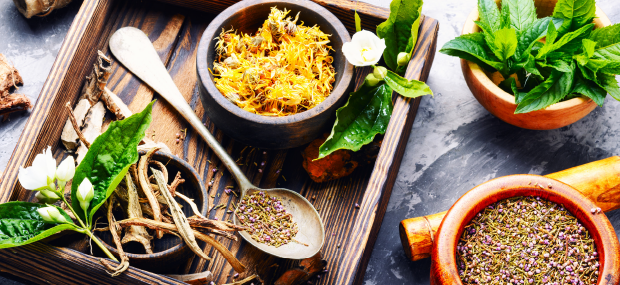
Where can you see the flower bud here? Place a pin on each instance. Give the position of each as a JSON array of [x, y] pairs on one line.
[[51, 214], [380, 72], [85, 194], [66, 169], [47, 197], [372, 80], [403, 58]]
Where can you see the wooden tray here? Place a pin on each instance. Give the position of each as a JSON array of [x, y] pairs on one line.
[[175, 27]]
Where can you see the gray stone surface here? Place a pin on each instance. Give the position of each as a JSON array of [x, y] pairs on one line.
[[455, 144]]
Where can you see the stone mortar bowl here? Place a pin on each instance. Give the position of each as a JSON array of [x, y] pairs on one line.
[[443, 264]]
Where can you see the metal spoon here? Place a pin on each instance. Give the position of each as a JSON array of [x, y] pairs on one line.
[[136, 52]]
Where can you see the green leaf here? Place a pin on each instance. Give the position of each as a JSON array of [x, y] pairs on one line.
[[589, 89], [611, 57], [559, 65], [554, 89], [531, 36], [505, 43], [489, 15], [358, 22], [522, 14], [108, 159], [366, 114], [397, 29], [575, 13], [570, 41], [472, 47], [610, 84], [21, 224], [415, 29], [606, 36], [407, 88], [530, 66], [505, 17]]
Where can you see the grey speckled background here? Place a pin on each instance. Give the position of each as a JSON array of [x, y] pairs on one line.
[[455, 144]]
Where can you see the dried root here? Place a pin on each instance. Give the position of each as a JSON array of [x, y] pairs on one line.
[[39, 8], [114, 230], [76, 127], [243, 281], [194, 279], [208, 224], [92, 128], [9, 78], [115, 104], [179, 218], [146, 188], [133, 210], [96, 82]]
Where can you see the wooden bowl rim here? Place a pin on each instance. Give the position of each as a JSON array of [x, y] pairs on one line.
[[203, 211], [203, 71], [478, 73], [444, 247]]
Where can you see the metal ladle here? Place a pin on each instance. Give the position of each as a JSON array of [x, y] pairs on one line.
[[136, 52]]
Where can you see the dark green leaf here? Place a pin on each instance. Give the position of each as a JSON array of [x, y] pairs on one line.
[[559, 65], [471, 47], [575, 13], [571, 41], [589, 89], [610, 84], [21, 224], [366, 114], [397, 29], [407, 88], [411, 45], [529, 37], [554, 89], [108, 159], [522, 14], [505, 43], [358, 22], [489, 15], [505, 17], [530, 66], [606, 36], [611, 57], [588, 47]]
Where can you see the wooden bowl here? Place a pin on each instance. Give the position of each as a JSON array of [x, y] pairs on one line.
[[502, 104], [262, 131], [443, 264], [169, 251]]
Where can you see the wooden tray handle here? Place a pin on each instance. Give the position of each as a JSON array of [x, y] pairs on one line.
[[599, 181]]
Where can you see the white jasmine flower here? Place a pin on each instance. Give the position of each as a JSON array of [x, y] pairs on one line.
[[42, 172], [365, 49]]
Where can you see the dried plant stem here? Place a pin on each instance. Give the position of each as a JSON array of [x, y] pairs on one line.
[[146, 188], [234, 262], [115, 271], [177, 215], [214, 225], [76, 128], [175, 183], [243, 281], [135, 233], [194, 279]]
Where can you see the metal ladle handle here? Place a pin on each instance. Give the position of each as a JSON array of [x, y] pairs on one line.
[[135, 51]]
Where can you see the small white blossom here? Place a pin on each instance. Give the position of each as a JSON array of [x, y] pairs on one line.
[[66, 169], [51, 214], [85, 194], [42, 172], [365, 49]]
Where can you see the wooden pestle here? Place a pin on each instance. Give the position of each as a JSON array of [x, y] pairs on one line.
[[599, 181]]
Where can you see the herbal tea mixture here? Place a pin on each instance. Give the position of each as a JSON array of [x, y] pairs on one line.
[[283, 70], [526, 240], [267, 220]]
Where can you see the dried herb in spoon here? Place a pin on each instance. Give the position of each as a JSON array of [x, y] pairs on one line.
[[526, 240]]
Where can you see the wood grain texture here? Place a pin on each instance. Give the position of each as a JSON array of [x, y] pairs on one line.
[[502, 105], [599, 181], [443, 260], [175, 32]]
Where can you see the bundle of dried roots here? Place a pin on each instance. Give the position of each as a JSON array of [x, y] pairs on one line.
[[10, 78]]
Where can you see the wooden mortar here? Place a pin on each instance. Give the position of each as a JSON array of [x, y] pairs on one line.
[[443, 261], [599, 181]]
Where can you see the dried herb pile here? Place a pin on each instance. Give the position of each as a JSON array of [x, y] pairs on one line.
[[266, 219], [285, 69], [526, 240]]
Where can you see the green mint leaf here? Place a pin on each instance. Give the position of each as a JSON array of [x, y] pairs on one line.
[[108, 159], [407, 88], [575, 13], [559, 65], [606, 36], [505, 43], [522, 14], [570, 41], [610, 84], [397, 30], [554, 89], [366, 114], [589, 89], [21, 224], [611, 57], [505, 17], [472, 47], [531, 36], [358, 22], [489, 15]]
